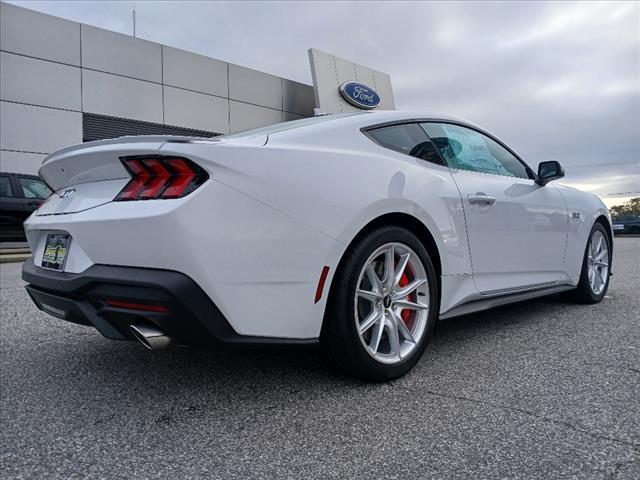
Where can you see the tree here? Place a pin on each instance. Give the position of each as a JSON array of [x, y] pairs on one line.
[[632, 207]]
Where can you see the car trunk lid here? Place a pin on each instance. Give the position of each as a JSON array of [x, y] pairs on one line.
[[92, 174]]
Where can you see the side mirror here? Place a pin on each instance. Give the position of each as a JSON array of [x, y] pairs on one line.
[[548, 171]]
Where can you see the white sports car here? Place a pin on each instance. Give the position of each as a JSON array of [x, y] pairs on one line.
[[356, 231]]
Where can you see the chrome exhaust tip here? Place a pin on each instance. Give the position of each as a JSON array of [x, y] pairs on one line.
[[150, 336]]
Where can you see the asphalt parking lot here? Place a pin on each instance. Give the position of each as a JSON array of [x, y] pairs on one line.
[[543, 389]]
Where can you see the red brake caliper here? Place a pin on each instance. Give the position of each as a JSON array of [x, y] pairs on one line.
[[407, 315]]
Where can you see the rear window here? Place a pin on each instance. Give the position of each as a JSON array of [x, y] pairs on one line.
[[407, 138]]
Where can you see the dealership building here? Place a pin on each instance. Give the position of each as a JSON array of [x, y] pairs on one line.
[[63, 83]]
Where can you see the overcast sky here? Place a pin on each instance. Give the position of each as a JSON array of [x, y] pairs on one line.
[[553, 80]]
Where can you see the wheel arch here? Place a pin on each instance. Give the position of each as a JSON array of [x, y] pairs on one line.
[[604, 221], [411, 223]]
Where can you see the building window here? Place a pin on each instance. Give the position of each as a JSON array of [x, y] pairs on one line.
[[100, 127]]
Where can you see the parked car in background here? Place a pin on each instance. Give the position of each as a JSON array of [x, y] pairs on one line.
[[626, 224], [20, 194]]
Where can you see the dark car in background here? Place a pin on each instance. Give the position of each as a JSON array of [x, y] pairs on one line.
[[626, 224], [20, 194]]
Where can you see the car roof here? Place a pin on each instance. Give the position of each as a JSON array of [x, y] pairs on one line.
[[373, 118], [351, 120]]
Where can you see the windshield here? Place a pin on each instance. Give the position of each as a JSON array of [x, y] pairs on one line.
[[283, 126]]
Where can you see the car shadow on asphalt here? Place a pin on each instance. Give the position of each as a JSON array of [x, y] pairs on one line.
[[204, 367]]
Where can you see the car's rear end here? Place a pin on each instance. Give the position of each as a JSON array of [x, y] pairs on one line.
[[138, 234], [104, 203]]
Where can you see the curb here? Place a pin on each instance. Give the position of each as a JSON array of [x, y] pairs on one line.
[[14, 257], [14, 251]]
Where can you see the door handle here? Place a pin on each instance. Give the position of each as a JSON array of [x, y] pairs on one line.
[[481, 199]]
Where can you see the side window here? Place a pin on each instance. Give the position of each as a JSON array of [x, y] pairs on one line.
[[407, 138], [34, 188], [5, 187], [466, 149]]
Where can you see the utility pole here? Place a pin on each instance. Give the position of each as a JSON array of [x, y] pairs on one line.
[[134, 20]]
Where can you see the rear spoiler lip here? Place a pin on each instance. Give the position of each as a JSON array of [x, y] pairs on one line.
[[132, 139]]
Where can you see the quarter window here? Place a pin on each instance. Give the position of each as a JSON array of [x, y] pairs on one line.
[[466, 149], [406, 138]]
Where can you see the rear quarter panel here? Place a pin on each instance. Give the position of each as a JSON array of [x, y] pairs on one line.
[[338, 182]]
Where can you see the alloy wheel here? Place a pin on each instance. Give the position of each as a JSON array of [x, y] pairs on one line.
[[598, 262], [391, 303]]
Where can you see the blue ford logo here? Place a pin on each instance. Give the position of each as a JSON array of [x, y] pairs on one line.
[[360, 95]]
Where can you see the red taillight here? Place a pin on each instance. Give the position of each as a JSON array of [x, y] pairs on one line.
[[183, 179], [137, 306], [157, 181], [160, 177], [139, 175]]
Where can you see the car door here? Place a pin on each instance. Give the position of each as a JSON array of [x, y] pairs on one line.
[[517, 230], [11, 211]]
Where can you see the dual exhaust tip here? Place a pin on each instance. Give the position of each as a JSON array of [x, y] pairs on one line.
[[150, 336]]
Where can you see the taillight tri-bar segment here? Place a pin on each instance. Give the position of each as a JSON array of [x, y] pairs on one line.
[[158, 177]]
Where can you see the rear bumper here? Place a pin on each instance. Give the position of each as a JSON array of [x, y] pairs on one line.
[[189, 316]]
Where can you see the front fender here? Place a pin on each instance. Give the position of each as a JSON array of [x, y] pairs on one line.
[[584, 209]]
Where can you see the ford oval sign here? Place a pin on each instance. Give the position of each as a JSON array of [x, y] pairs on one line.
[[360, 95]]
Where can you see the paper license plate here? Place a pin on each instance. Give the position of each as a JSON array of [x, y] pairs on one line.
[[55, 251]]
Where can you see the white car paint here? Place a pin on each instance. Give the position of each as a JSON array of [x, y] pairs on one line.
[[279, 207], [519, 241]]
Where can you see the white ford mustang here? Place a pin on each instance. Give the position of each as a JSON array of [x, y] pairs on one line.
[[358, 231]]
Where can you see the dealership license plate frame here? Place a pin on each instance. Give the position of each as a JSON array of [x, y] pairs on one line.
[[56, 251]]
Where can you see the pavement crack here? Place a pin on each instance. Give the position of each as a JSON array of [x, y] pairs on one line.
[[523, 411]]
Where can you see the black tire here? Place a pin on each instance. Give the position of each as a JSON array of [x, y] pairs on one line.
[[583, 293], [339, 334], [634, 230]]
